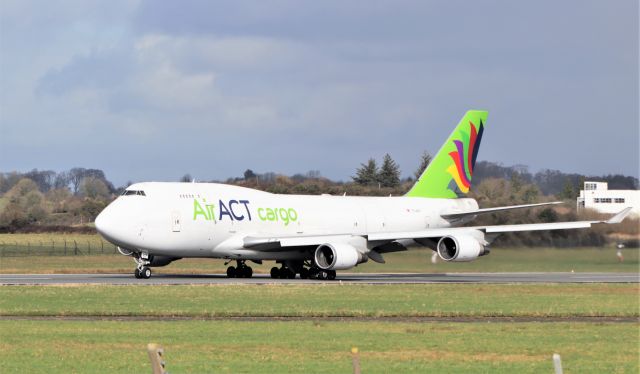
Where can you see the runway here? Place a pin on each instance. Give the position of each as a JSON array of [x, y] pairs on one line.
[[351, 278]]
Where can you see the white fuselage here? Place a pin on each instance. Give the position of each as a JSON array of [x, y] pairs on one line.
[[213, 220]]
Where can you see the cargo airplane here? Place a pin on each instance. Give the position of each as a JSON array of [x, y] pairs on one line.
[[313, 236]]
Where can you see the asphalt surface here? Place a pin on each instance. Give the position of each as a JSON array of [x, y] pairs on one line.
[[354, 278]]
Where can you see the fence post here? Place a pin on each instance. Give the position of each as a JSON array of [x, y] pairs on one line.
[[156, 353], [557, 363], [102, 246], [89, 244], [65, 246], [75, 248], [355, 360]]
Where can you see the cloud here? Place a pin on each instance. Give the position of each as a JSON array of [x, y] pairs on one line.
[[291, 86]]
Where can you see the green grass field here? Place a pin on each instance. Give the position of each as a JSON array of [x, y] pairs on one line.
[[317, 345], [333, 299]]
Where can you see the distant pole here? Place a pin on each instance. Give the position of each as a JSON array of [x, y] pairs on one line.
[[355, 359], [557, 363]]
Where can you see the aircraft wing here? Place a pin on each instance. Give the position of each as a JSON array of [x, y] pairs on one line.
[[267, 243], [458, 215], [498, 229]]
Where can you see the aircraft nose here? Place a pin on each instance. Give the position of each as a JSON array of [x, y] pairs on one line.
[[104, 223]]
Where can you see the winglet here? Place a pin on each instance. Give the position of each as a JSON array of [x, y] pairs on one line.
[[619, 217]]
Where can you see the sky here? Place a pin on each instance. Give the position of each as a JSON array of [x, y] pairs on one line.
[[151, 90]]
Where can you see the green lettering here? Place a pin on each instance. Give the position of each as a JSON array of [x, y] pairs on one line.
[[197, 210], [293, 215], [271, 216], [210, 210], [261, 214], [283, 216]]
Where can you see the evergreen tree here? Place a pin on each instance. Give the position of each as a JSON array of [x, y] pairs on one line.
[[425, 160], [367, 174], [568, 191], [389, 175]]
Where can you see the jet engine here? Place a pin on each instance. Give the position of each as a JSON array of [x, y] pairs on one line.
[[337, 256], [460, 248]]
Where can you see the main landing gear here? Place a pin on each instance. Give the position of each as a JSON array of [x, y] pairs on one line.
[[306, 271], [142, 266], [240, 271]]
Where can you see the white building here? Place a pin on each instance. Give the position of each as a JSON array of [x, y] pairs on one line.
[[598, 196]]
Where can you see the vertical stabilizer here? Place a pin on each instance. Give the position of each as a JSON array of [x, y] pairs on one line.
[[449, 173]]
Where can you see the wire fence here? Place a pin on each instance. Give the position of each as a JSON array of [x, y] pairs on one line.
[[56, 248]]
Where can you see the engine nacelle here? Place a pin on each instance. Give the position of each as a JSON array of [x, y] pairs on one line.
[[460, 248], [337, 256]]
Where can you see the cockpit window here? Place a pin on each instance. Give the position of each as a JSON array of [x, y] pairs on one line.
[[133, 192]]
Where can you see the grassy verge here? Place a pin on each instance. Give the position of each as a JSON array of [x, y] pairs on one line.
[[301, 347], [428, 300], [417, 261]]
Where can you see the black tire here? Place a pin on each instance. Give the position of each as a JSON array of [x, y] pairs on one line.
[[323, 275], [332, 274], [275, 273], [145, 273], [248, 272], [136, 273], [284, 273], [291, 274], [231, 272]]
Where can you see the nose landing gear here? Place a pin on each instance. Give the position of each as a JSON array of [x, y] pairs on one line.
[[142, 266]]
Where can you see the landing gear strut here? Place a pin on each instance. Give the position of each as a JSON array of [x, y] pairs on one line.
[[142, 266], [239, 271]]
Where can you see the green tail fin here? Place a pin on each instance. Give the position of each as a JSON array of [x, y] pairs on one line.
[[449, 173]]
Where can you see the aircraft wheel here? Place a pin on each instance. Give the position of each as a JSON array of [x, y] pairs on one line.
[[247, 272], [275, 272], [323, 275], [331, 274], [145, 273], [136, 273], [283, 273], [291, 274], [231, 272]]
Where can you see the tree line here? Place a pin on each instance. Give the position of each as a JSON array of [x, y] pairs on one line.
[[46, 200]]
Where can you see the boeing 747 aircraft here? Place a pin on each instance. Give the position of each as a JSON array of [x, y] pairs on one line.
[[312, 236]]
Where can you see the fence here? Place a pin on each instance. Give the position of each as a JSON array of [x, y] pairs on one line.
[[62, 247]]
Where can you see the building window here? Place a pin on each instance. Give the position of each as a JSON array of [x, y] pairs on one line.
[[619, 200]]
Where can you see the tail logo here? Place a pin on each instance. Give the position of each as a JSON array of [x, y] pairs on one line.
[[464, 157]]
